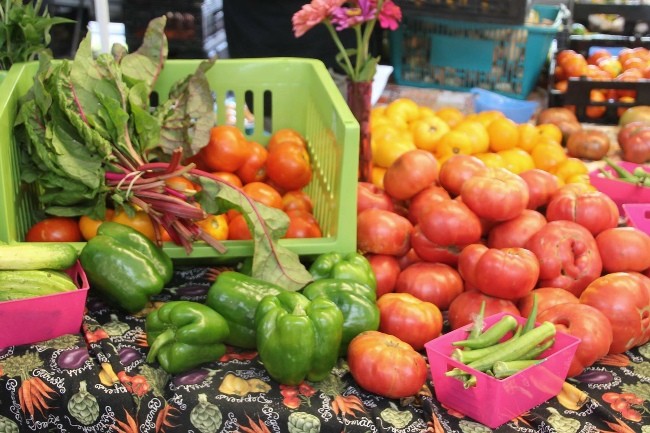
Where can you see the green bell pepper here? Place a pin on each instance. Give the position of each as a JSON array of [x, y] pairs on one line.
[[351, 266], [298, 339], [356, 301], [185, 334], [124, 266], [235, 296]]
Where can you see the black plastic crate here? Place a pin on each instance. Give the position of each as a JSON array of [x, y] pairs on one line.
[[484, 11], [578, 90]]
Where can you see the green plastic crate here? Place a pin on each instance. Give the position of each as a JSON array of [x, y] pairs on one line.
[[302, 96], [428, 51]]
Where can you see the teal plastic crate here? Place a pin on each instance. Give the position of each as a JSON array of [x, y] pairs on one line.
[[302, 95], [460, 55]]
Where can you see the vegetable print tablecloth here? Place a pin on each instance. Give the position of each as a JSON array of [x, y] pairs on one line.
[[98, 381]]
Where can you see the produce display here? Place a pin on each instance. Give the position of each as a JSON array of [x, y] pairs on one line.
[[467, 216]]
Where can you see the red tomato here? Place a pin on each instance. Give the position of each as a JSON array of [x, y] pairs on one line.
[[302, 224], [456, 170], [507, 273], [634, 140], [238, 229], [297, 200], [624, 249], [88, 226], [466, 306], [541, 187], [410, 173], [385, 365], [428, 197], [594, 210], [432, 282], [382, 232], [264, 193], [55, 229], [429, 251], [547, 297], [386, 269], [517, 231], [408, 318], [289, 166], [450, 222], [370, 195], [624, 298], [410, 257], [253, 168], [227, 149], [586, 323], [568, 256], [495, 194]]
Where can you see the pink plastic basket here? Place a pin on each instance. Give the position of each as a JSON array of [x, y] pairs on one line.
[[619, 191], [509, 397], [638, 215], [25, 321]]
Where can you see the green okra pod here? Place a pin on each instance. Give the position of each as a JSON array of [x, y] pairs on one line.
[[490, 336]]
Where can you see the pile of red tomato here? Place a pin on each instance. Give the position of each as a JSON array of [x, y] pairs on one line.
[[274, 175], [469, 233]]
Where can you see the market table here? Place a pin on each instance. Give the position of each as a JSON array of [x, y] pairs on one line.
[[98, 381]]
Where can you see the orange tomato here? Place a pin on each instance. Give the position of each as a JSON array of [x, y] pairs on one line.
[[491, 159], [503, 133], [571, 167], [264, 193], [551, 131], [88, 226], [596, 111], [517, 160], [227, 149], [229, 177], [254, 167], [451, 115], [477, 134], [181, 184], [428, 131], [548, 156], [215, 226], [453, 143], [140, 221], [528, 135], [286, 135]]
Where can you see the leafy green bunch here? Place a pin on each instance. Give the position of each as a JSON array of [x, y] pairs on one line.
[[24, 31]]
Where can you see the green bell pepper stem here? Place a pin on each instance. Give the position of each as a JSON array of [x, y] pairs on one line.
[[185, 334], [236, 296], [298, 339], [359, 312], [352, 266]]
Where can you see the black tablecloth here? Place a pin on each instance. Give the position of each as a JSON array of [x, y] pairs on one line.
[[98, 381]]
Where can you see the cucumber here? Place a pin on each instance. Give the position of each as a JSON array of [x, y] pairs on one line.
[[43, 282], [37, 255]]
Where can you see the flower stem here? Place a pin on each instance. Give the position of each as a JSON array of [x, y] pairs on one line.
[[348, 65]]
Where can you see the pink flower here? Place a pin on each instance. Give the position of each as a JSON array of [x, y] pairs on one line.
[[312, 14], [346, 17], [390, 15]]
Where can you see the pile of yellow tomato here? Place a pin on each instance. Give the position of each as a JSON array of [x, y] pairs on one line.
[[404, 125]]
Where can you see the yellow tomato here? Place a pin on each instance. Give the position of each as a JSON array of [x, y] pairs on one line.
[[377, 176], [88, 226], [488, 116], [550, 130], [528, 134], [451, 115], [426, 112], [503, 133], [453, 143], [571, 167], [427, 132], [385, 150], [548, 156], [216, 226], [517, 160], [477, 133], [403, 109], [491, 159]]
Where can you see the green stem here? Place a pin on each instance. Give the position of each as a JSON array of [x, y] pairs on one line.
[[348, 65], [165, 337]]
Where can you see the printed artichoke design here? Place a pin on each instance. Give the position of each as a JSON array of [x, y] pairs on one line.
[[303, 422], [205, 416], [83, 405], [7, 425]]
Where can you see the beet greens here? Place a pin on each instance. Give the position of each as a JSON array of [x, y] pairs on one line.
[[89, 139]]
